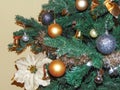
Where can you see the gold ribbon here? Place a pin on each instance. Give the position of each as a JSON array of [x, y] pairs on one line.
[[112, 7]]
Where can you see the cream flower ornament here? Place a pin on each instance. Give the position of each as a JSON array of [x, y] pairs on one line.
[[30, 71]]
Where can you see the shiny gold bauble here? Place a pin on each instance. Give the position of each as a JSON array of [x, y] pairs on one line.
[[81, 5], [57, 68], [78, 34], [54, 30], [93, 33]]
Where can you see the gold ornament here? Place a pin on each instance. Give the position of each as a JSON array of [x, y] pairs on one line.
[[81, 5], [57, 68], [94, 4], [112, 7], [93, 33], [78, 34], [54, 30]]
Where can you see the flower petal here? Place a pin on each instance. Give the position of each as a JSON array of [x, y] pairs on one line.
[[40, 56], [21, 64], [40, 63], [38, 78], [30, 83], [31, 60], [20, 75]]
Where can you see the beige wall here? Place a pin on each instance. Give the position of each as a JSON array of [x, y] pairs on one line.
[[8, 10]]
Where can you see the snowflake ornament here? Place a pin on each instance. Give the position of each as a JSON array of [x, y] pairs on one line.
[[30, 71]]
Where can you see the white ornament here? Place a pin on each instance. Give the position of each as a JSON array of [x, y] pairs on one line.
[[30, 71], [89, 63], [111, 70], [25, 37], [93, 33]]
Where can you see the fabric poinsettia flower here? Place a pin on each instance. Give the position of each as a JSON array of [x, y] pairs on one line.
[[30, 71]]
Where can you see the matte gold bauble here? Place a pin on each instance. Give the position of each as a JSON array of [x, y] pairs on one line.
[[54, 30], [81, 5], [93, 33], [57, 68]]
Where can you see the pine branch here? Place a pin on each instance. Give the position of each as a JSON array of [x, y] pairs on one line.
[[76, 75]]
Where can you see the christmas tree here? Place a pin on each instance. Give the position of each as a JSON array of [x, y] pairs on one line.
[[76, 46]]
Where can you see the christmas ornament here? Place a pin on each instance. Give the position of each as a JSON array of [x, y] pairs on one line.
[[30, 71], [93, 33], [112, 60], [81, 5], [112, 7], [94, 4], [46, 17], [57, 68], [78, 34], [25, 37], [89, 64], [106, 43], [113, 71], [54, 30], [99, 78]]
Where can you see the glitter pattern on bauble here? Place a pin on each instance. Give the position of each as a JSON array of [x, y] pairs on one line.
[[106, 44]]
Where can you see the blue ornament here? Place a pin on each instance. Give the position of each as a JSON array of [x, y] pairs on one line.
[[47, 18], [106, 44]]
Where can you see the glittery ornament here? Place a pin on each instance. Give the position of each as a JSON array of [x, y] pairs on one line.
[[106, 43], [25, 37], [81, 5]]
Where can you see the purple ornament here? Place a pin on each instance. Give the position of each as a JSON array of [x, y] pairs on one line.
[[106, 44]]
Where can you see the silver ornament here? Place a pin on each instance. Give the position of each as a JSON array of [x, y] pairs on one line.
[[25, 37], [98, 79], [113, 71], [89, 64], [106, 44]]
